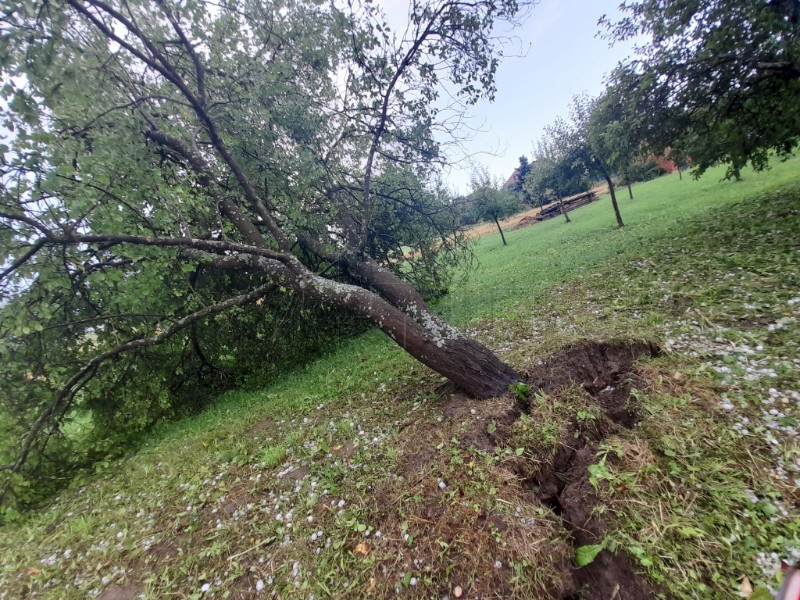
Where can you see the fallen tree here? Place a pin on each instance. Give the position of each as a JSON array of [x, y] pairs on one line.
[[155, 139]]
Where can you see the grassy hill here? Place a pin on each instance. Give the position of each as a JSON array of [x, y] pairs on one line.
[[658, 444]]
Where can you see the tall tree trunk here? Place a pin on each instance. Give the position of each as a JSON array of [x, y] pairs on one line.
[[680, 173], [561, 206], [496, 222], [613, 198], [630, 190]]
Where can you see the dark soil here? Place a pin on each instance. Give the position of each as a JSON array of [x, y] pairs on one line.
[[598, 373], [606, 372]]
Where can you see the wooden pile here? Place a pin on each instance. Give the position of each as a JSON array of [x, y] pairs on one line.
[[571, 203]]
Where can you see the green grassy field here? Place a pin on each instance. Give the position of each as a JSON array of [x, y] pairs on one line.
[[357, 476]]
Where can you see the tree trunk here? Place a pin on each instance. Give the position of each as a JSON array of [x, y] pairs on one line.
[[613, 199], [396, 308], [630, 190], [496, 222], [561, 206], [680, 173], [401, 313], [468, 364]]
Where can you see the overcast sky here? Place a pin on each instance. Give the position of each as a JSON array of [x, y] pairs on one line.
[[562, 57]]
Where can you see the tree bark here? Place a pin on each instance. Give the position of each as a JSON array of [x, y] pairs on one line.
[[630, 190], [561, 206], [425, 336], [496, 222], [613, 199]]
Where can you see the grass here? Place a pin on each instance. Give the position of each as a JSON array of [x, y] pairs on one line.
[[355, 477], [515, 277]]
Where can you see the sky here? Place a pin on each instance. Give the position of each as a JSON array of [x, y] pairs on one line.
[[558, 55]]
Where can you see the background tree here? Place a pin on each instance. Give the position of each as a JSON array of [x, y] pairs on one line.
[[722, 77], [518, 185], [163, 151], [558, 171], [576, 151], [490, 200], [591, 150], [616, 129]]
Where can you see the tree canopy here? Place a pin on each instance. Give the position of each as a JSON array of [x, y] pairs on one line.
[[489, 200], [718, 79], [173, 164]]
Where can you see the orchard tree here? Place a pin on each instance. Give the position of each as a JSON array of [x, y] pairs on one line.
[[574, 147], [558, 172], [489, 200], [590, 149], [616, 129], [722, 77], [279, 143]]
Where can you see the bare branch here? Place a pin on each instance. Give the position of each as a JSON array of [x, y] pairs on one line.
[[22, 259], [216, 246], [24, 219]]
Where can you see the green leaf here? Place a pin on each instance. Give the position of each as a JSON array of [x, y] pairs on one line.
[[491, 428], [689, 532], [586, 554], [519, 451]]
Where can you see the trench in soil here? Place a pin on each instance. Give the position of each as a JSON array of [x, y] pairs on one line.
[[606, 373]]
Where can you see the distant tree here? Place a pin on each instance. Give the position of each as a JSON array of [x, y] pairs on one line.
[[522, 172], [490, 200], [539, 182], [590, 149], [722, 77], [558, 172], [617, 128], [577, 150]]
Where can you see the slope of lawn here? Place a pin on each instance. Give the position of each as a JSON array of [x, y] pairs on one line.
[[363, 475]]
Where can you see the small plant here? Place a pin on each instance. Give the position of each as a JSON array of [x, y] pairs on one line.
[[272, 456], [584, 555], [520, 390]]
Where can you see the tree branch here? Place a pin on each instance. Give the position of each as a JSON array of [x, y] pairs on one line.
[[22, 259], [65, 396]]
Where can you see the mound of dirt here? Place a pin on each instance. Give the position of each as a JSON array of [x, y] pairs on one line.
[[587, 396], [603, 374], [525, 222], [603, 369]]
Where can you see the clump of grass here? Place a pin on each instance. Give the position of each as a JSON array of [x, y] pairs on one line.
[[551, 421], [696, 505]]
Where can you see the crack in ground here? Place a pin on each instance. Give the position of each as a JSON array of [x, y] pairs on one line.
[[605, 371]]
